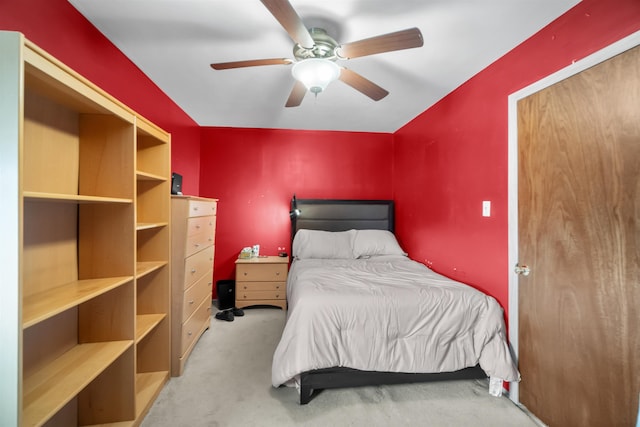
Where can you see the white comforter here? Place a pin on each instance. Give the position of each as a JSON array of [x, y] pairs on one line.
[[388, 314]]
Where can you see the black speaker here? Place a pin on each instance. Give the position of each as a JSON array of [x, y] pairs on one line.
[[226, 291], [176, 183]]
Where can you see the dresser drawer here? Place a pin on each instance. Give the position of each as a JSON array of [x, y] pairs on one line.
[[196, 294], [261, 286], [196, 323], [201, 208], [201, 224], [197, 265], [261, 295], [261, 272], [197, 242]]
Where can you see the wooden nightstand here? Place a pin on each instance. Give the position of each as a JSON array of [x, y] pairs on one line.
[[262, 281]]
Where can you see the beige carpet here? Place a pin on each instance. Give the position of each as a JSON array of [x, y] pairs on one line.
[[227, 382]]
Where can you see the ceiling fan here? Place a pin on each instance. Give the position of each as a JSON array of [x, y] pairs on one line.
[[315, 53]]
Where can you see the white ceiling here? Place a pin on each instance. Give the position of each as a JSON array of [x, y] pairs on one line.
[[175, 41]]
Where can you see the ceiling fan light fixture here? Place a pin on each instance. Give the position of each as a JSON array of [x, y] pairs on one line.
[[315, 73]]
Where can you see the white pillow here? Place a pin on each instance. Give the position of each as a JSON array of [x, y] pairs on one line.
[[323, 244], [368, 243]]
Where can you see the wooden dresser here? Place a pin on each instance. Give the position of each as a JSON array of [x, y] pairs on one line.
[[193, 237], [262, 281]]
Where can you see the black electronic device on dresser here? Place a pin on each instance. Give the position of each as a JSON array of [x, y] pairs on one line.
[[176, 183]]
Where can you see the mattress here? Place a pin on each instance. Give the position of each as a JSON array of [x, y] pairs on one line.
[[387, 314]]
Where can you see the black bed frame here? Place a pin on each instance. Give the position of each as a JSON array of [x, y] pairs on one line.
[[342, 215]]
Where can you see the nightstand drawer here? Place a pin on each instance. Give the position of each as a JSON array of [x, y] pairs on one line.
[[261, 295], [197, 265], [201, 208], [261, 286], [261, 272], [196, 294]]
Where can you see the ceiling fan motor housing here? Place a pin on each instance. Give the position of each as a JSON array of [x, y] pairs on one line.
[[324, 46]]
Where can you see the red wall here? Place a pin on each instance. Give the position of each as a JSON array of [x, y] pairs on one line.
[[438, 168], [61, 30], [454, 155], [254, 173]]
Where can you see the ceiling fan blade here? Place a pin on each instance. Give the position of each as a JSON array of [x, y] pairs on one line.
[[362, 84], [405, 39], [251, 63], [297, 93], [289, 19]]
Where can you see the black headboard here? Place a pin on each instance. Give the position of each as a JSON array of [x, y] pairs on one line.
[[341, 215]]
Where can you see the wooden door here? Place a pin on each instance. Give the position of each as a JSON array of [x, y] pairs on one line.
[[579, 232]]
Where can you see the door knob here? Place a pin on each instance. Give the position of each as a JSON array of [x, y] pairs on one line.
[[523, 270]]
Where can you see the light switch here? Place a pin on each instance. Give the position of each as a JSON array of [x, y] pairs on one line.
[[486, 208]]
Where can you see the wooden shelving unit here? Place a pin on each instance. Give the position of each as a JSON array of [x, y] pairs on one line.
[[91, 328]]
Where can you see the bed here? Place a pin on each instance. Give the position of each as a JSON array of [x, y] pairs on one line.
[[361, 312]]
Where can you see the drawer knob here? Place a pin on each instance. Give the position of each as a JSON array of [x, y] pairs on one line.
[[193, 270], [245, 287], [245, 273], [277, 273], [277, 295], [196, 244], [195, 208], [191, 302], [277, 286], [189, 333], [198, 226]]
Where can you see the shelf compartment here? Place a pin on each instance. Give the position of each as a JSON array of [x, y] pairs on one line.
[[152, 243], [152, 292], [69, 152], [149, 133], [151, 201], [43, 305], [146, 323], [150, 356], [48, 389], [148, 386], [152, 150], [54, 80], [144, 268], [106, 240]]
